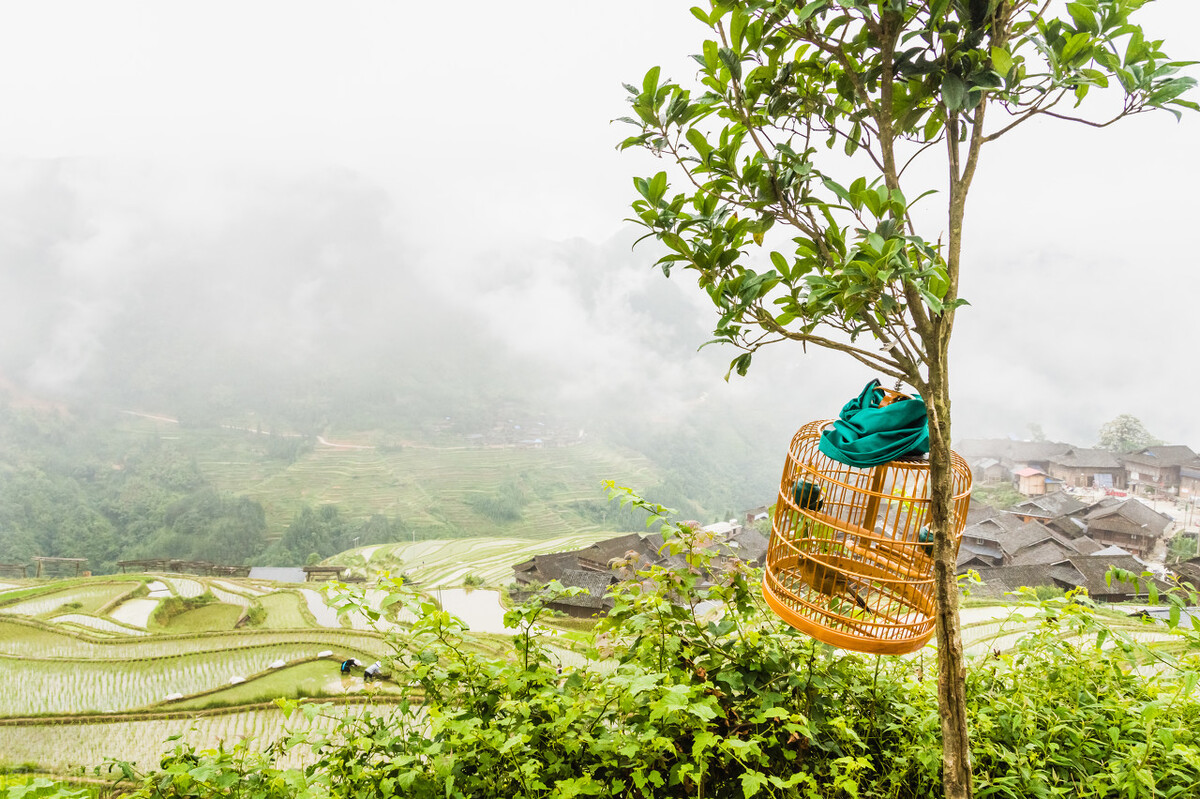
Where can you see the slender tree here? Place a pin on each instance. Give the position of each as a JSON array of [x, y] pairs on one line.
[[795, 209]]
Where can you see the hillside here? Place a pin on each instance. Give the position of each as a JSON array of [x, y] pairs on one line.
[[118, 485]]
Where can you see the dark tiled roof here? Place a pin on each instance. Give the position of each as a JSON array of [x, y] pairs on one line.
[[1094, 569], [1165, 456], [979, 511], [1073, 572], [604, 551], [1134, 511], [751, 545], [988, 530], [1006, 449], [1070, 526], [1044, 552], [1188, 570], [1086, 545], [544, 568], [1049, 506], [1080, 458], [986, 556], [1024, 536], [1004, 579]]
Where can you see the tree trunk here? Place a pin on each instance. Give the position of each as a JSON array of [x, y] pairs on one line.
[[952, 698]]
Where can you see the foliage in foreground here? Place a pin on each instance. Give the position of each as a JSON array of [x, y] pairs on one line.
[[692, 702]]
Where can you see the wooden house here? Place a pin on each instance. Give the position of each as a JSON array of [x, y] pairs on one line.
[[1189, 481], [990, 470], [1130, 525], [1157, 470], [1018, 454], [1088, 468], [1047, 508], [1030, 481]]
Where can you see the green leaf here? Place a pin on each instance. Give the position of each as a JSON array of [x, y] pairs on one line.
[[954, 92], [780, 263], [1084, 18], [805, 13], [1002, 61], [697, 140], [1169, 90], [752, 783], [650, 82], [731, 62]]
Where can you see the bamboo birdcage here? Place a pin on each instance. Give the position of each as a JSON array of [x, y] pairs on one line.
[[850, 559]]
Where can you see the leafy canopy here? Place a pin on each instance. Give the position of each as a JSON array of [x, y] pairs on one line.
[[809, 115], [1126, 434]]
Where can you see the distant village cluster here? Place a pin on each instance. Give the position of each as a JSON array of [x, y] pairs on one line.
[[1084, 511]]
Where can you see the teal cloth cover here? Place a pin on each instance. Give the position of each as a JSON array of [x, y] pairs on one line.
[[868, 435]]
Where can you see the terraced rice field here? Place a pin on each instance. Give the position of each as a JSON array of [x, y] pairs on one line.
[[445, 563], [134, 612], [34, 642], [210, 618], [68, 664], [243, 588], [283, 610], [315, 678], [81, 743], [62, 687], [187, 588], [89, 597], [230, 598], [115, 626], [1000, 627], [158, 590], [431, 489], [324, 615]]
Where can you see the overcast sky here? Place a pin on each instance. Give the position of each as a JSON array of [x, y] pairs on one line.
[[468, 146]]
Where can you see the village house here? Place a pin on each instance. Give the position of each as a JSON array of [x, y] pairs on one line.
[[1030, 481], [990, 470], [1088, 468], [1157, 470], [980, 545], [1080, 571], [1189, 481], [1047, 508], [1006, 540], [1014, 454], [1130, 525]]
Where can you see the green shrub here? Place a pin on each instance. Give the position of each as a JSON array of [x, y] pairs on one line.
[[256, 614], [735, 704], [173, 606]]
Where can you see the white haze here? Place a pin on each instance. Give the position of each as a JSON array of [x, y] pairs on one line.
[[376, 187]]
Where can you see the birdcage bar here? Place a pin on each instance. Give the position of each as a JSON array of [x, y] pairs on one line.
[[853, 569]]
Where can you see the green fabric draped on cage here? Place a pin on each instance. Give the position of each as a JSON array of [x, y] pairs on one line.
[[875, 428]]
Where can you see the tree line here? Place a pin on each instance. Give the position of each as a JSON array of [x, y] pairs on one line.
[[71, 487]]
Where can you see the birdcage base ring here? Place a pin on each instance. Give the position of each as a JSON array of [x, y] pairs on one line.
[[785, 611]]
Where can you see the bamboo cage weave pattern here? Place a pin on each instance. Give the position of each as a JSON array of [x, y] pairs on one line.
[[850, 558]]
